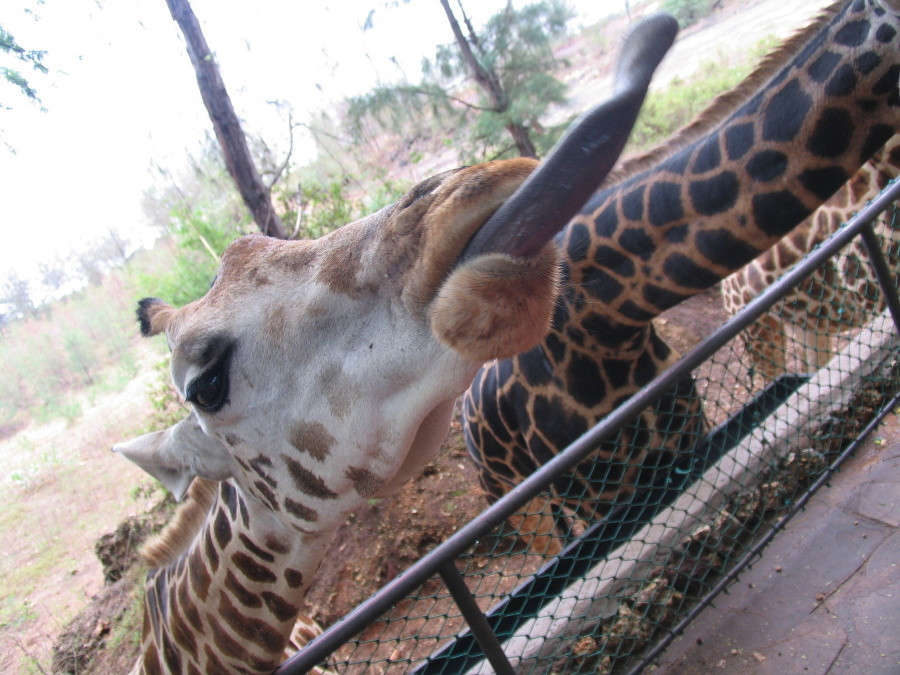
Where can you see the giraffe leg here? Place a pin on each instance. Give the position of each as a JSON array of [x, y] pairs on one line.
[[536, 527], [817, 346], [766, 345], [535, 524]]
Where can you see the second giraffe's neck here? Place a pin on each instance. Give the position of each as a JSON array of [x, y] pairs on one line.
[[230, 602], [664, 234]]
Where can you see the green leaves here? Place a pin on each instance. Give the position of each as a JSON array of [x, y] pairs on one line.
[[512, 89], [687, 11], [29, 57]]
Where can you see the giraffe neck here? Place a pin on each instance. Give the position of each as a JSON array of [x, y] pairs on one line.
[[671, 231], [872, 178], [229, 603]]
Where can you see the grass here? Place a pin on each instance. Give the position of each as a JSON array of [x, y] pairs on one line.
[[127, 631], [15, 611], [667, 110], [65, 490]]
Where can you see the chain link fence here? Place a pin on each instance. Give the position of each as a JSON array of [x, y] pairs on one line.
[[625, 586]]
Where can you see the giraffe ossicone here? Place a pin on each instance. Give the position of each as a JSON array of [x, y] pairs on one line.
[[323, 373]]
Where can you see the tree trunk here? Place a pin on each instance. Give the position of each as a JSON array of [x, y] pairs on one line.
[[490, 84], [225, 122], [522, 139]]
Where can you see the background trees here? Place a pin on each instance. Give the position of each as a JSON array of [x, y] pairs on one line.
[[493, 85], [32, 59], [255, 193], [17, 57]]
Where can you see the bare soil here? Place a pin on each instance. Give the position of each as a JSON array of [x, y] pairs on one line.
[[67, 492]]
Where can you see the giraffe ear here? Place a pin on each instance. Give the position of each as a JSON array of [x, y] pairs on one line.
[[154, 316], [177, 455], [496, 306]]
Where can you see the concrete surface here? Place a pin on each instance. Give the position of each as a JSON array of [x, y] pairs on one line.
[[824, 599]]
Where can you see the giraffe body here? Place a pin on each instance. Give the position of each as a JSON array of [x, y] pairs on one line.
[[671, 224], [324, 373], [833, 299]]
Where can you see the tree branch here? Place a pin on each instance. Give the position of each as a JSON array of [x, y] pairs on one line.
[[225, 122]]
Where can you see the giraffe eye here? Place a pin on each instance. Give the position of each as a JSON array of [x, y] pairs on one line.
[[209, 391]]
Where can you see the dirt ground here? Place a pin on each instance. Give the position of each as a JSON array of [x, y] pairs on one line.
[[60, 490]]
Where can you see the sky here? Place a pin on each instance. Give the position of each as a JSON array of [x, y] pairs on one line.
[[121, 98]]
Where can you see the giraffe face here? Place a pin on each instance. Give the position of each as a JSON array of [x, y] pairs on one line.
[[325, 371]]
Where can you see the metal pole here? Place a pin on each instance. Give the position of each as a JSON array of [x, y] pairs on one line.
[[473, 615], [882, 272]]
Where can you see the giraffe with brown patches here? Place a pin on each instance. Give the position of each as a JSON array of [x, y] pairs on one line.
[[834, 298], [165, 549], [322, 373], [671, 224]]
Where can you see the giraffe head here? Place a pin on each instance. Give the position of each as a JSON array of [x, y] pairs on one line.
[[338, 351], [321, 373]]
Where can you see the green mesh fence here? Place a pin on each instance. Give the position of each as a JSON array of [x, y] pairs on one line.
[[624, 583]]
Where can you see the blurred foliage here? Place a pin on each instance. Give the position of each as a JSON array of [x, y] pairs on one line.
[[687, 11], [667, 110], [30, 58], [516, 48], [70, 346]]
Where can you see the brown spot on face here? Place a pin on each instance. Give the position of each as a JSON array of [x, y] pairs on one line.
[[241, 594], [312, 437], [183, 635], [171, 654], [257, 277], [300, 511], [364, 481], [295, 257], [233, 439], [293, 577], [199, 575], [222, 528], [151, 660], [308, 482], [214, 665], [341, 392], [253, 570], [256, 550], [343, 261], [262, 470], [279, 547], [283, 611], [276, 324], [251, 629], [265, 493]]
